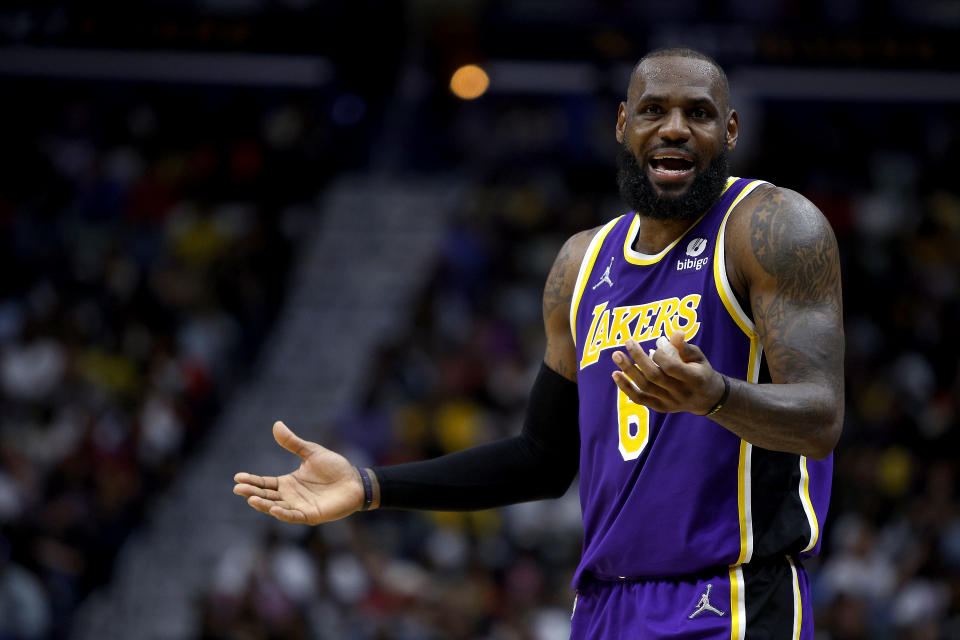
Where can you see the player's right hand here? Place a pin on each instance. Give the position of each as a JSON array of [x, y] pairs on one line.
[[326, 487]]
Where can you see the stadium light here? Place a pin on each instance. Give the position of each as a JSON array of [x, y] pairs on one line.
[[469, 82]]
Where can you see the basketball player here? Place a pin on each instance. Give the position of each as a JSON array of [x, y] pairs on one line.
[[693, 376]]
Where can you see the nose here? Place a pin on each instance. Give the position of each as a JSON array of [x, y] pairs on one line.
[[674, 127]]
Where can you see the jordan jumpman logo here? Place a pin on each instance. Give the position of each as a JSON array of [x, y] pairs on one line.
[[606, 276], [704, 604]]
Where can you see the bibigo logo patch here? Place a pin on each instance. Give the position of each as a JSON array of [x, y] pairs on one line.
[[694, 249]]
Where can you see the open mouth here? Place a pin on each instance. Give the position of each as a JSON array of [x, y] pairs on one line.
[[671, 167], [671, 164]]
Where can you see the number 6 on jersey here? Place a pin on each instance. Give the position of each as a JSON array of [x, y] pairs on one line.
[[634, 426]]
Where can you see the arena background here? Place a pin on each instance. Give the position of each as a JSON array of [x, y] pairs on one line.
[[218, 213]]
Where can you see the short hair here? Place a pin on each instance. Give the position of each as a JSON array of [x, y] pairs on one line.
[[687, 52]]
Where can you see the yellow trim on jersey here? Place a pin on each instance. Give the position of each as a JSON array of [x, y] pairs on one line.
[[635, 257], [725, 291], [720, 274], [737, 616], [744, 502], [586, 267], [744, 472], [808, 504], [797, 601]]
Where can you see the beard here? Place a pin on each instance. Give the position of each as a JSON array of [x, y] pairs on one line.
[[638, 191]]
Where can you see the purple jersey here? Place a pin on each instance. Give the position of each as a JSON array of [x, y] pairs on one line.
[[674, 494]]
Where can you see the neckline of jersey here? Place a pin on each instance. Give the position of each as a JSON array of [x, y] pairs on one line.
[[635, 257]]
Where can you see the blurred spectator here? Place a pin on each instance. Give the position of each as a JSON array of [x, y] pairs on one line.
[[24, 609], [145, 235], [889, 565], [143, 263]]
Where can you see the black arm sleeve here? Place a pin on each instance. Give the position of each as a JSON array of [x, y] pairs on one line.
[[541, 462]]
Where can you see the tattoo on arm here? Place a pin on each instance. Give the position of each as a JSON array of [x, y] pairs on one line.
[[800, 313], [557, 294]]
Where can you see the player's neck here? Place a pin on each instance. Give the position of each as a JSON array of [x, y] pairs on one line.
[[655, 235]]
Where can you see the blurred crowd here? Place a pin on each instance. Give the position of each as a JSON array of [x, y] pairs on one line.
[[145, 237], [890, 566], [459, 378], [145, 241]]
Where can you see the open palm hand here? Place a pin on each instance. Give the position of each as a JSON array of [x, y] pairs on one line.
[[325, 487]]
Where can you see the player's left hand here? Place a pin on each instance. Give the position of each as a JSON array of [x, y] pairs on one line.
[[677, 377]]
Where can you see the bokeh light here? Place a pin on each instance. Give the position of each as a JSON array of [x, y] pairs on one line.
[[469, 82]]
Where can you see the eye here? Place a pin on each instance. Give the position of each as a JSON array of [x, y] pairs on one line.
[[699, 113], [651, 109]]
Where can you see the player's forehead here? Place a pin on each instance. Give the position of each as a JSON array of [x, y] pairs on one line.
[[676, 76]]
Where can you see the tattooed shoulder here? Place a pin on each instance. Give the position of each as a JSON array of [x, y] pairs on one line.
[[789, 255], [560, 352], [793, 242], [563, 275]]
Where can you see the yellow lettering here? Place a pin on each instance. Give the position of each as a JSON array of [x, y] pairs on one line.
[[603, 330], [688, 311], [591, 346], [611, 327], [645, 327], [668, 311], [619, 328]]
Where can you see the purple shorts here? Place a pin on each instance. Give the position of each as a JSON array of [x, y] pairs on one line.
[[768, 599]]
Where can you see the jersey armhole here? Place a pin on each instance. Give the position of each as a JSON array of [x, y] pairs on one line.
[[586, 267], [724, 289]]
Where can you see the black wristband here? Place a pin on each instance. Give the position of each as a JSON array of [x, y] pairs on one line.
[[367, 488], [723, 397]]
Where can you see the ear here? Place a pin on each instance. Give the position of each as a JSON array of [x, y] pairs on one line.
[[621, 121], [733, 130]]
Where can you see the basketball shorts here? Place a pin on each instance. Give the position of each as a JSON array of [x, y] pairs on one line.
[[769, 599]]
